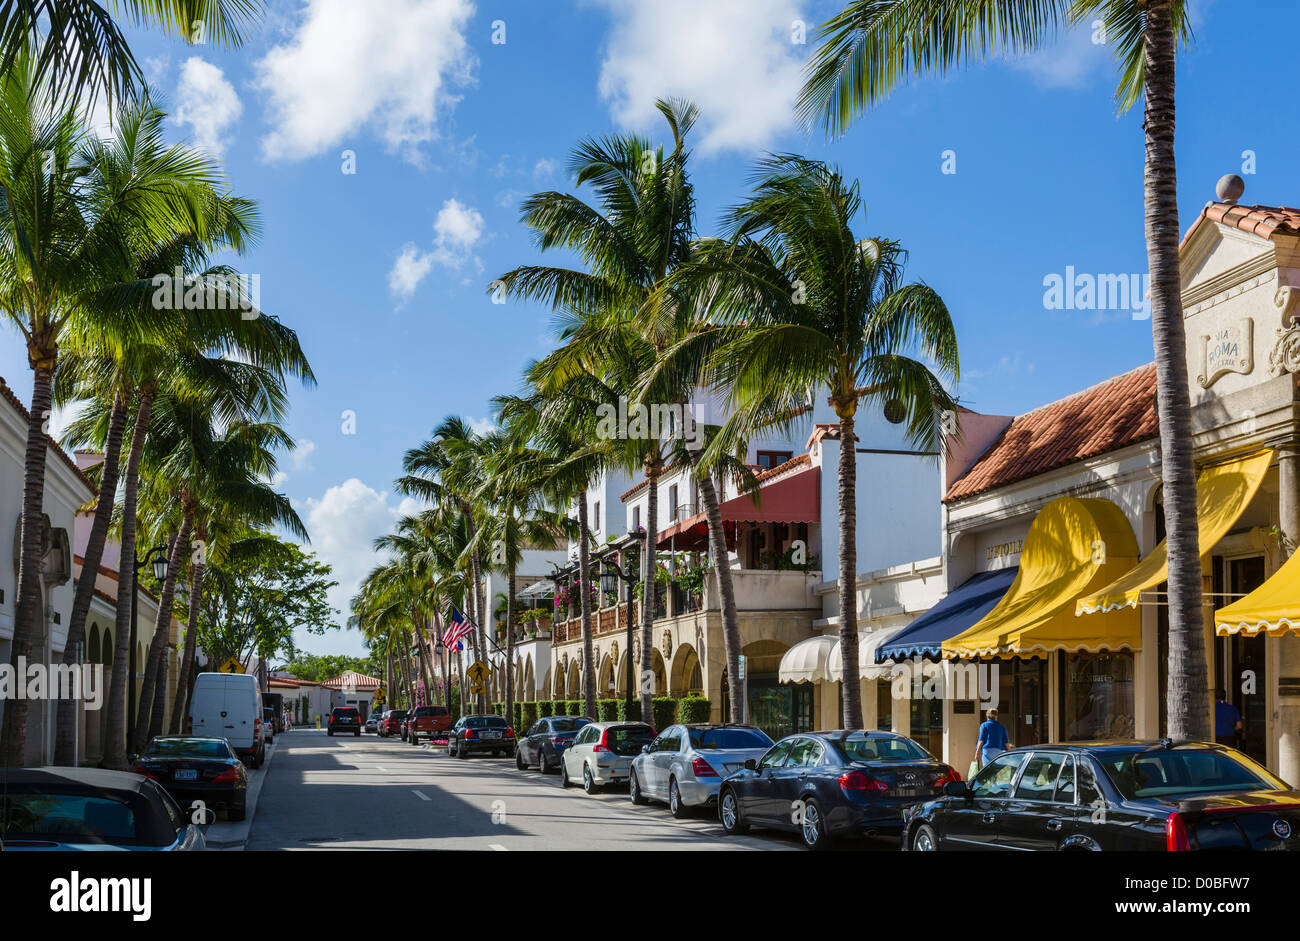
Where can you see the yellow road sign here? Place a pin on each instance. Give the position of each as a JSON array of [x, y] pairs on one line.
[[478, 690], [478, 671], [380, 696], [231, 666]]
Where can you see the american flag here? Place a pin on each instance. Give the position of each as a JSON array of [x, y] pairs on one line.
[[460, 627]]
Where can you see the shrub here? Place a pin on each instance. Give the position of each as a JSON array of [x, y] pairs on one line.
[[575, 707], [530, 715], [626, 715], [693, 709], [665, 712], [545, 707], [517, 720], [607, 709]]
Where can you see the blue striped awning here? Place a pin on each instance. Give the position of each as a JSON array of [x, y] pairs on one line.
[[960, 610]]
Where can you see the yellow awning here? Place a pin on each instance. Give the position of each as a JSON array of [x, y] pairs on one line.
[[1222, 495], [1272, 608], [1074, 545]]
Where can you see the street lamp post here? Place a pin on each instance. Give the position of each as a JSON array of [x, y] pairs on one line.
[[608, 575], [157, 558]]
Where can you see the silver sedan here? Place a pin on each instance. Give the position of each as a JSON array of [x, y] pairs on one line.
[[685, 765]]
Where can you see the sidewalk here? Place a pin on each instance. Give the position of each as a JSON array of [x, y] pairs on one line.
[[225, 836]]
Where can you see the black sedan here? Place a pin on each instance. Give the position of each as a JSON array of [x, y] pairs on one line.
[[92, 809], [829, 784], [473, 734], [191, 768], [546, 741], [1112, 796]]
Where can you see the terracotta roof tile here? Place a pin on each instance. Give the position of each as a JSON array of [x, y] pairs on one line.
[[1111, 415], [1263, 221]]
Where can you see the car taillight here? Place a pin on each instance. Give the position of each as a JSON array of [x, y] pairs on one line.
[[857, 781], [141, 769], [226, 777], [469, 733], [702, 769], [603, 744], [1176, 833], [558, 739], [510, 733], [947, 778]]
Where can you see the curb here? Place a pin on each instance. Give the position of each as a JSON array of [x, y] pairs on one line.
[[229, 837]]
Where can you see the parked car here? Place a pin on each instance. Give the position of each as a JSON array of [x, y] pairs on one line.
[[227, 705], [829, 784], [1112, 796], [344, 719], [685, 764], [93, 809], [190, 768], [473, 734], [546, 741], [372, 722], [268, 725], [602, 752], [391, 723], [428, 721]]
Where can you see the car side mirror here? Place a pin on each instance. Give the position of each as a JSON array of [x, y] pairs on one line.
[[645, 749], [956, 789], [751, 764]]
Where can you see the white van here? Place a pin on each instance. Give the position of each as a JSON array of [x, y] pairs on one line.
[[227, 705]]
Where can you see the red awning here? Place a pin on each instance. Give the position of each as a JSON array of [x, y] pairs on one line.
[[792, 499]]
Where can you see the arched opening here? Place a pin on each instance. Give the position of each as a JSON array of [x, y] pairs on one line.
[[687, 674], [92, 645], [605, 679]]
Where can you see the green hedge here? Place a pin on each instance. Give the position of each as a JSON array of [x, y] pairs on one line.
[[517, 720], [624, 715], [530, 714], [607, 709], [665, 712], [574, 707], [693, 709], [545, 707]]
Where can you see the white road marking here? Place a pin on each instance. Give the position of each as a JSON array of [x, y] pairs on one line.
[[498, 847], [422, 795], [379, 768]]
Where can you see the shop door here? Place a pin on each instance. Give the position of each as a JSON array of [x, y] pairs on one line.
[[1022, 700], [1243, 672]]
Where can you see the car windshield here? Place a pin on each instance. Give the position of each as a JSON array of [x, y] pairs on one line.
[[881, 749], [627, 739], [568, 725], [1184, 771], [66, 817], [711, 739], [181, 748]]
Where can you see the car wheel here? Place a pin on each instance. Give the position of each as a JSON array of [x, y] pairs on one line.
[[924, 840], [564, 774], [812, 826], [543, 766], [676, 806], [236, 814], [462, 751], [519, 760], [357, 733], [330, 733], [451, 748], [588, 782], [729, 813], [634, 789]]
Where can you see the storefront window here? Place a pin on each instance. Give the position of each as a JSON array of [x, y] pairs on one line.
[[884, 706], [1022, 699], [1097, 696], [927, 724]]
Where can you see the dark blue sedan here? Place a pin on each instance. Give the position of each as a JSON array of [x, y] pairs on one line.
[[823, 785], [546, 740]]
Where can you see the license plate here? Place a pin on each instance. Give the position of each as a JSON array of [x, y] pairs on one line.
[[491, 734], [186, 775]]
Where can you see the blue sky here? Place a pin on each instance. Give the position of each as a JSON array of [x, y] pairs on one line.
[[384, 271]]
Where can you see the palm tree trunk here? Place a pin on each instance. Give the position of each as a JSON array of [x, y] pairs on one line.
[[159, 698], [652, 468], [726, 588], [13, 732], [426, 668], [848, 573], [115, 742], [67, 709], [1188, 692], [161, 634], [182, 701], [510, 647], [584, 575]]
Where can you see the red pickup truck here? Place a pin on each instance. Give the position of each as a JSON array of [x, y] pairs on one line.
[[428, 721]]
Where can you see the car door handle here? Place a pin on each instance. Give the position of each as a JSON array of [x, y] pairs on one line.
[[1055, 824], [989, 817]]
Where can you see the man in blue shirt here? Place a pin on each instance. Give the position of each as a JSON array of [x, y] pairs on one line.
[[993, 739], [1227, 720]]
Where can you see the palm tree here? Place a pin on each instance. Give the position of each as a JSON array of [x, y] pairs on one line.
[[82, 47], [874, 45], [821, 308]]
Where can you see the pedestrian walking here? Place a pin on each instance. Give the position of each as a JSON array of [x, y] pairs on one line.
[[993, 739], [1227, 720]]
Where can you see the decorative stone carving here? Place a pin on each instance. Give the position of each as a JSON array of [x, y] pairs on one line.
[[1285, 299], [668, 645], [1285, 355], [1228, 349]]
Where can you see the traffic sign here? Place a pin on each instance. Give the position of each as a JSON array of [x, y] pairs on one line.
[[478, 671], [741, 665], [380, 696], [478, 690], [231, 666]]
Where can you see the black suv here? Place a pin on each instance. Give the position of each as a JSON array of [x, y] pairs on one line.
[[345, 719]]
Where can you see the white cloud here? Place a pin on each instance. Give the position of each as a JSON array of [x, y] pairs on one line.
[[545, 168], [208, 104], [481, 426], [277, 479], [509, 199], [344, 523], [1071, 62], [734, 58], [382, 65], [301, 455], [408, 271], [457, 228]]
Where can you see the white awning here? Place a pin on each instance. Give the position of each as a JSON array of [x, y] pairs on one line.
[[538, 589], [805, 662], [868, 669]]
